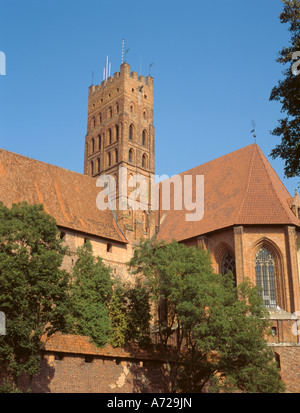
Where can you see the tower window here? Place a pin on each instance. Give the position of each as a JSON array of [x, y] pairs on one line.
[[116, 156], [92, 168], [265, 278], [131, 130], [98, 164], [144, 114], [109, 159], [117, 132], [144, 137], [110, 112], [92, 145], [117, 108], [99, 142], [144, 161], [130, 155], [100, 118], [93, 123], [109, 137]]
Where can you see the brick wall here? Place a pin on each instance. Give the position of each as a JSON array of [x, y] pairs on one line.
[[86, 374]]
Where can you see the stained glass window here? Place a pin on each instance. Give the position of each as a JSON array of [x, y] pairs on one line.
[[265, 279]]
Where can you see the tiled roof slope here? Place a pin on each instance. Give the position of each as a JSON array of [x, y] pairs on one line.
[[70, 197], [76, 344], [240, 188]]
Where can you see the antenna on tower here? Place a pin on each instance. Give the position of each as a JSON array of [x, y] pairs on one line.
[[123, 43], [253, 130]]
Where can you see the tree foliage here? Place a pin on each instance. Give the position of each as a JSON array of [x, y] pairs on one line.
[[287, 93], [90, 294], [211, 333], [33, 288]]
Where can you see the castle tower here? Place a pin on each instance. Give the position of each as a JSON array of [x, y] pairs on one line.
[[120, 133]]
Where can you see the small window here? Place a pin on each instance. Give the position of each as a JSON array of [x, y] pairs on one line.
[[58, 357], [116, 156], [100, 118], [109, 247], [110, 112], [117, 132], [274, 331], [88, 359], [144, 161], [99, 142], [131, 130], [62, 235], [98, 164], [109, 137], [92, 145], [144, 138], [92, 168], [109, 159], [130, 155]]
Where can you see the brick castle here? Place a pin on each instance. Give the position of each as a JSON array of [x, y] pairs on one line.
[[251, 226]]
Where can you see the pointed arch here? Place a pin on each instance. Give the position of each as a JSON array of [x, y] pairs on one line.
[[267, 262]]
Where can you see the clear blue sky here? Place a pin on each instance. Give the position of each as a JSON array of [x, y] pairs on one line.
[[214, 68]]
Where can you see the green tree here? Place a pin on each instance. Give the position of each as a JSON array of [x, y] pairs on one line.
[[118, 317], [138, 314], [210, 332], [287, 93], [33, 288], [90, 294]]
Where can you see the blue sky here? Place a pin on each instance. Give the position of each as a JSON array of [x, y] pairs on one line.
[[214, 68]]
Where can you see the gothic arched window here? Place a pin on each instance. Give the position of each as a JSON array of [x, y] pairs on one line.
[[144, 137], [109, 137], [117, 132], [228, 264], [130, 155], [265, 278], [144, 161], [131, 130], [98, 164]]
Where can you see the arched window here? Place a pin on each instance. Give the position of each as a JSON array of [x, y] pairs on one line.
[[144, 161], [110, 112], [99, 142], [98, 164], [144, 137], [100, 118], [130, 155], [131, 131], [228, 264], [117, 108], [145, 114], [109, 137], [116, 156], [92, 145], [92, 168], [93, 123], [265, 278], [109, 159], [117, 132]]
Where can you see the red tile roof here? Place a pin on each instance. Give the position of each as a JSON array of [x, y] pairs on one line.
[[70, 197], [76, 344], [240, 188]]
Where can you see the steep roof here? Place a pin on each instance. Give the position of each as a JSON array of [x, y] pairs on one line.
[[240, 188], [70, 197]]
